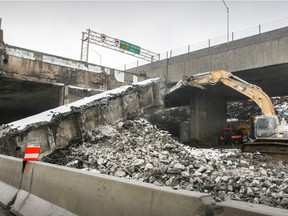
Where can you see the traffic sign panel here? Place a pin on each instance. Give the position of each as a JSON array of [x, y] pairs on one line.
[[130, 47]]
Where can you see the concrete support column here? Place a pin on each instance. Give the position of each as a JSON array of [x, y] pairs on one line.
[[64, 95], [208, 116], [195, 116], [193, 123]]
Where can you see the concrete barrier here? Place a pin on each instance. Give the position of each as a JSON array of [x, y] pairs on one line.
[[10, 179], [228, 208], [48, 188]]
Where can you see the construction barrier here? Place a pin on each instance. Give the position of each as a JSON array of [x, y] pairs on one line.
[[10, 178], [231, 207], [48, 189]]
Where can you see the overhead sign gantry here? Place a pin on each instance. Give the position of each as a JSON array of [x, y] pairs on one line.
[[115, 44]]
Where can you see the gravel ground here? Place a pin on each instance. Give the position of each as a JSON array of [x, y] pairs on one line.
[[135, 149]]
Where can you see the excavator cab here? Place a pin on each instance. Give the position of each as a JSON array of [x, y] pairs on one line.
[[265, 126]]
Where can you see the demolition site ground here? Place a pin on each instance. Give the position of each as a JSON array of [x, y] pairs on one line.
[[136, 149]]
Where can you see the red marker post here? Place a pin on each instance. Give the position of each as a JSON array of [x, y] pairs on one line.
[[31, 153]]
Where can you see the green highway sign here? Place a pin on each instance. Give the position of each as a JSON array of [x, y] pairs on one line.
[[129, 47]]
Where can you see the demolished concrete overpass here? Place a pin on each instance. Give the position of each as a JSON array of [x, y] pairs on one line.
[[32, 82], [200, 121], [159, 160], [59, 127]]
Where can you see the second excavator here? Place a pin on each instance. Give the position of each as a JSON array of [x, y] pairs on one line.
[[271, 136]]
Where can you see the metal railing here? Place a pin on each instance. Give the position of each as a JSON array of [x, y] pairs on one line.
[[212, 42]]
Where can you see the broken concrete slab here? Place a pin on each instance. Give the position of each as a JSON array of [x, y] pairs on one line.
[[57, 128]]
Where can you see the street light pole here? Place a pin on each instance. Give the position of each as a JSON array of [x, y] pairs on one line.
[[227, 8], [100, 56]]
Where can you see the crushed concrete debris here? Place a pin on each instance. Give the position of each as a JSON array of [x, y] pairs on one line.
[[136, 149], [245, 109]]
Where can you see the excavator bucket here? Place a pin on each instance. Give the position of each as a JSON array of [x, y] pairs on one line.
[[181, 84]]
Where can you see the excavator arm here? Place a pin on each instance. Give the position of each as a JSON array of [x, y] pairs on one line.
[[270, 136], [251, 91]]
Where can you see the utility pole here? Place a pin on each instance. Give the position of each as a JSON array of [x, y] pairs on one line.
[[1, 31], [227, 9], [2, 44]]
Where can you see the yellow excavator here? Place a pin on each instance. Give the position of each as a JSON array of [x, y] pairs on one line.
[[271, 136]]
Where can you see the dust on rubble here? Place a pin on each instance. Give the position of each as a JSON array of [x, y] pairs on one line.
[[136, 149]]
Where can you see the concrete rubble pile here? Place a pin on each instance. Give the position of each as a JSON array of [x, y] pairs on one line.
[[246, 109], [136, 149]]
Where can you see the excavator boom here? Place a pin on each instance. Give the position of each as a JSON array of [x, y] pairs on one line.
[[227, 78]]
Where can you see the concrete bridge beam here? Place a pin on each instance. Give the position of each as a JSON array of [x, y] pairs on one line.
[[259, 59], [208, 116]]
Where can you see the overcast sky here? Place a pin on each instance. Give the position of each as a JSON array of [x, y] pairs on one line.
[[55, 27]]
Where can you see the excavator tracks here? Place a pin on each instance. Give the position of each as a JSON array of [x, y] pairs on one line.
[[267, 147]]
